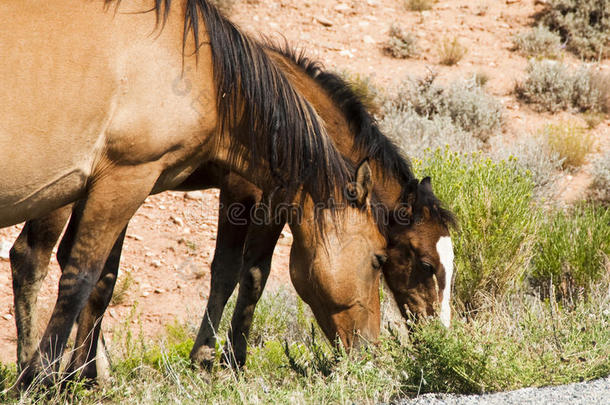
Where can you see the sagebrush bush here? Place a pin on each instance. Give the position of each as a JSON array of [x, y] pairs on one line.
[[583, 24], [538, 42], [416, 134], [493, 203], [570, 141], [600, 185], [464, 102], [450, 51], [571, 250], [601, 82], [533, 156], [550, 86], [419, 5], [400, 44]]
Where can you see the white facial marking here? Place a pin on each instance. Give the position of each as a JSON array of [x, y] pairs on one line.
[[445, 253]]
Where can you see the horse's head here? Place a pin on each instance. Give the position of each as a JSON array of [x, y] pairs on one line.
[[336, 267], [419, 269]]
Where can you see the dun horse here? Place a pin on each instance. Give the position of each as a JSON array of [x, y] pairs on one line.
[[90, 113], [420, 256]]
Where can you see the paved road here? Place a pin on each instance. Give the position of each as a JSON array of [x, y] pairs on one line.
[[587, 393]]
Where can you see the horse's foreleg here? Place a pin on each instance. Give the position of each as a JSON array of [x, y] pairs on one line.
[[258, 252], [111, 202], [83, 359], [30, 256], [232, 229]]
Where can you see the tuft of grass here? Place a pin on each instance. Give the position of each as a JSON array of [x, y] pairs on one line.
[[601, 82], [365, 89], [583, 24], [539, 42], [401, 44], [493, 202], [419, 5], [599, 189], [450, 51], [571, 251], [121, 289], [550, 86], [570, 141]]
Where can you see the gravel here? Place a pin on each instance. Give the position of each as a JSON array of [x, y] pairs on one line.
[[592, 392]]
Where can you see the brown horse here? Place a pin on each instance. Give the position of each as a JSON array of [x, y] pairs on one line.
[[415, 225], [91, 114]]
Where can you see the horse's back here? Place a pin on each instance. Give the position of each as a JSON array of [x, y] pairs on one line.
[[79, 84]]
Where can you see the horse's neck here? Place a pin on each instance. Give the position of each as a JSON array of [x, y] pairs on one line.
[[339, 130]]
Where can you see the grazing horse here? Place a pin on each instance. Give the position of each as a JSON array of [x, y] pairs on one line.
[[419, 266], [91, 114]]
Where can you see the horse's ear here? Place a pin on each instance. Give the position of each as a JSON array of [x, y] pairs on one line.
[[364, 182], [426, 183]]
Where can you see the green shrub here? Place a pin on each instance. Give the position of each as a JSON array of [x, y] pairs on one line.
[[570, 141], [464, 102], [539, 42], [401, 44], [450, 51], [600, 186], [571, 250], [551, 87], [583, 24], [493, 203]]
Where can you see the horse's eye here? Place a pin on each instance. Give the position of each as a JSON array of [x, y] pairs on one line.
[[427, 267], [379, 261]]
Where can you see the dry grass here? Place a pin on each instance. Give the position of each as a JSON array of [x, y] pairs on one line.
[[450, 51], [571, 141], [419, 5], [121, 289]]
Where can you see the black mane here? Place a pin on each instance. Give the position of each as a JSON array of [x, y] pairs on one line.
[[369, 140]]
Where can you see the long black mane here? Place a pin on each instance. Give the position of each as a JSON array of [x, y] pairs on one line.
[[259, 107], [369, 140]]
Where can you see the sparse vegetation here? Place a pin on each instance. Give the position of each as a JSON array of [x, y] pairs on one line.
[[583, 24], [450, 51], [539, 42], [401, 44], [550, 86], [419, 5], [570, 141]]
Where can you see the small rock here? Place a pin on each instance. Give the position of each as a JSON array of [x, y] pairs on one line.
[[156, 263], [5, 248], [135, 237], [324, 21], [177, 220], [367, 39], [372, 3], [159, 291], [512, 1], [8, 317], [145, 294], [194, 195], [347, 53], [342, 7]]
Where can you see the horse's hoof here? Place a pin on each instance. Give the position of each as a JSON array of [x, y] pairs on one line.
[[203, 357]]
